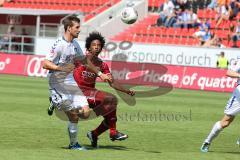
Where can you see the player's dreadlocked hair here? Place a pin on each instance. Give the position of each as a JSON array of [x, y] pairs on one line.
[[94, 36]]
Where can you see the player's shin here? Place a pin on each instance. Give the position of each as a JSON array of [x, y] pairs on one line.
[[101, 128], [73, 133], [111, 120], [217, 128]]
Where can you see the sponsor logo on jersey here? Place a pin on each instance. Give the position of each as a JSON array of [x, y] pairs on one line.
[[86, 74]]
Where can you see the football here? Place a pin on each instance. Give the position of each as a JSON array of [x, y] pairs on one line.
[[129, 15]]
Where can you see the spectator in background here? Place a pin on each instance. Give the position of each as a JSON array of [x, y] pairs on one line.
[[171, 20], [235, 6], [219, 43], [24, 32], [206, 37], [193, 20], [188, 19], [11, 32], [25, 40], [236, 35], [203, 34], [8, 39], [183, 4], [222, 61], [223, 2], [214, 42], [235, 45], [213, 4], [182, 19], [167, 9], [223, 12]]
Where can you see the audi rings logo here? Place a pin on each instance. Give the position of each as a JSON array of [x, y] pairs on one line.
[[34, 67], [14, 19]]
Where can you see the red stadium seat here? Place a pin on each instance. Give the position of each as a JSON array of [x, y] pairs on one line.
[[82, 5]]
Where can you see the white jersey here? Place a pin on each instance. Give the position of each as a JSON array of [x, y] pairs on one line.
[[62, 53], [64, 92], [235, 66]]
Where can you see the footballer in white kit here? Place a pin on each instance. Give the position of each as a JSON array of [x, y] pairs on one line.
[[231, 110], [64, 93], [233, 106]]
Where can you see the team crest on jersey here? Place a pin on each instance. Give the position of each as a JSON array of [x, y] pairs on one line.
[[69, 58], [52, 53], [75, 49]]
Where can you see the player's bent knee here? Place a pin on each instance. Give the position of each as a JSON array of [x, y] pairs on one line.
[[225, 124], [226, 121], [73, 119], [111, 99], [73, 116], [84, 112]]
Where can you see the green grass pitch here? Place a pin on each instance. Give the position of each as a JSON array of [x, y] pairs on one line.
[[167, 127]]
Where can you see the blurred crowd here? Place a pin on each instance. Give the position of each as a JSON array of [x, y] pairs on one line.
[[180, 14], [16, 41]]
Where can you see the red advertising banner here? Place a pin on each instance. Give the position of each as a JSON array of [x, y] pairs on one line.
[[12, 64], [34, 65], [196, 78], [207, 79], [28, 19]]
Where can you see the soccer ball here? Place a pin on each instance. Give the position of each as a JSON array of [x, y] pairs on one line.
[[129, 15]]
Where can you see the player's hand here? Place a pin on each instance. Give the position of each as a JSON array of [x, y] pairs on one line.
[[131, 92], [67, 68], [106, 78]]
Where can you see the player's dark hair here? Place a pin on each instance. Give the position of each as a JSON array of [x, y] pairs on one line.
[[94, 36], [68, 21]]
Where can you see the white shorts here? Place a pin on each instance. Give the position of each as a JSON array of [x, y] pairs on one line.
[[233, 106], [67, 97]]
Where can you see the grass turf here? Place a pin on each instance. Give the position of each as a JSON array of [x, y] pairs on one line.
[[170, 126]]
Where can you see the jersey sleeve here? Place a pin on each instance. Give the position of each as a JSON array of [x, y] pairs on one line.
[[105, 68], [53, 54]]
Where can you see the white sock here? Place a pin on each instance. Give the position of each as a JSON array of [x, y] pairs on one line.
[[217, 128], [73, 133]]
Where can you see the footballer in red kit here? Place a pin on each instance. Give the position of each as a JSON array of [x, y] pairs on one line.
[[103, 103]]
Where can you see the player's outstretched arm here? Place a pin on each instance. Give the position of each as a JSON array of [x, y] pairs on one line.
[[51, 66], [104, 77], [233, 74], [116, 85]]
